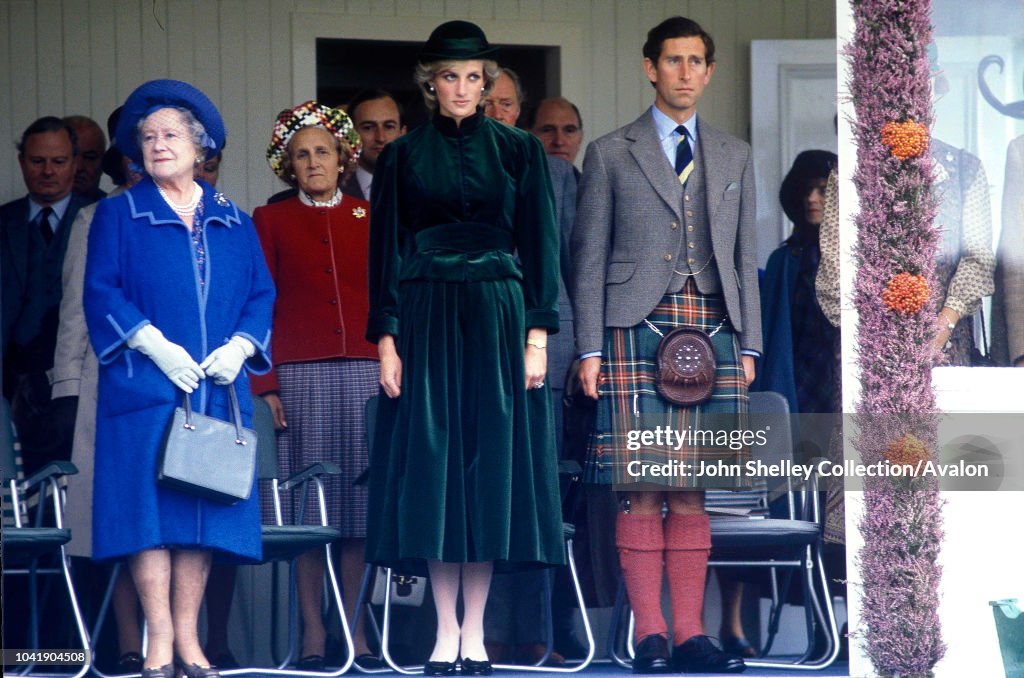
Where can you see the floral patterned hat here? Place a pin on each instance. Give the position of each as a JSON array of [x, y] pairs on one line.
[[311, 114]]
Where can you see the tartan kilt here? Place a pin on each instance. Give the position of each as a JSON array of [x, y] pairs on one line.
[[629, 400]]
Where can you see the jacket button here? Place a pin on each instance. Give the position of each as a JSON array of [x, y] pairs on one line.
[[691, 262], [690, 245], [667, 257], [322, 212], [690, 228], [334, 302], [324, 240], [674, 225], [689, 213], [686, 197], [337, 330], [328, 270]]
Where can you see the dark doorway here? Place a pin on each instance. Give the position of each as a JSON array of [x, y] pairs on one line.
[[344, 67]]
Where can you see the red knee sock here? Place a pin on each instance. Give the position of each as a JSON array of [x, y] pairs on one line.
[[641, 550], [687, 544]]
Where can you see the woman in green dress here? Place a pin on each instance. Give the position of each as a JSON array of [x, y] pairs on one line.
[[463, 293]]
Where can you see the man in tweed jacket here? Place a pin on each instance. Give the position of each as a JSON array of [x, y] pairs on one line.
[[658, 229]]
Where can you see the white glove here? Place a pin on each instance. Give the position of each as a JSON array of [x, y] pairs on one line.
[[224, 363], [173, 360]]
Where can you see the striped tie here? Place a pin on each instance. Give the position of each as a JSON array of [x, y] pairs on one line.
[[684, 155]]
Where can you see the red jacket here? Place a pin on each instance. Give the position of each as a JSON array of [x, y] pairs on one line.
[[317, 257]]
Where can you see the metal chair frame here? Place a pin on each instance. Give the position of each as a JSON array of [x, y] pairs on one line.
[[802, 507], [44, 482]]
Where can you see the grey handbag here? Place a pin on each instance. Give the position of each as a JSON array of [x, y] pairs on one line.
[[208, 457]]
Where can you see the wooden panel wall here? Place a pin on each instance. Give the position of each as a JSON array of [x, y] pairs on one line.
[[85, 56]]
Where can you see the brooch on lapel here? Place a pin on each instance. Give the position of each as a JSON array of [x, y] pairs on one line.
[[358, 212], [221, 199]]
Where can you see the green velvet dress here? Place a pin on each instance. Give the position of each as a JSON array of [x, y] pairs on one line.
[[463, 260]]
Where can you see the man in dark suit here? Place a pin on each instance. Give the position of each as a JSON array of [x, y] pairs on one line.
[[378, 120], [34, 234], [664, 237]]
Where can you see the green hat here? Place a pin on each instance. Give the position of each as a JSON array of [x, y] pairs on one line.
[[456, 41]]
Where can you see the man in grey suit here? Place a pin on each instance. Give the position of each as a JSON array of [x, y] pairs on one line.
[[665, 237]]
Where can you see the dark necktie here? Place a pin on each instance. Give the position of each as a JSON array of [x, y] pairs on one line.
[[44, 224], [684, 155]]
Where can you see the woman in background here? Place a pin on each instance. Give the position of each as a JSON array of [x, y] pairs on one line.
[[315, 244]]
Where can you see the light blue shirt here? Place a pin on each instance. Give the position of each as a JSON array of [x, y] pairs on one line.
[[59, 208], [668, 136]]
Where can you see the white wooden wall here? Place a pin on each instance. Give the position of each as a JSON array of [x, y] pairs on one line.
[[63, 57]]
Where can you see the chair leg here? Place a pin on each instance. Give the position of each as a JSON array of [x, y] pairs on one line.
[[591, 645], [363, 604], [386, 633]]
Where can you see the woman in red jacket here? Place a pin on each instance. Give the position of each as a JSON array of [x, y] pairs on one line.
[[325, 371]]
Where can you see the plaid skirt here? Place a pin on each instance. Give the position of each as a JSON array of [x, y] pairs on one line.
[[629, 404], [324, 403]]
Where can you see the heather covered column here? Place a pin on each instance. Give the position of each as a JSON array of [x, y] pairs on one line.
[[896, 303]]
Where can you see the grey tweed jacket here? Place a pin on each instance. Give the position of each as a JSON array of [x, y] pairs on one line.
[[627, 230]]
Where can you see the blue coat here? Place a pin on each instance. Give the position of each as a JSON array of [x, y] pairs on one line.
[[141, 269]]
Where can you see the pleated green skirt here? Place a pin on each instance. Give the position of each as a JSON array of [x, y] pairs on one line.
[[463, 464]]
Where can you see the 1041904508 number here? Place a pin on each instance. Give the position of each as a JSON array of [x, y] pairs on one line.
[[45, 657]]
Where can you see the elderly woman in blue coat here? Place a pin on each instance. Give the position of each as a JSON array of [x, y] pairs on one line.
[[178, 301]]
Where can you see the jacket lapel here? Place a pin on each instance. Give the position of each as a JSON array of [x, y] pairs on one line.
[[716, 174], [646, 150]]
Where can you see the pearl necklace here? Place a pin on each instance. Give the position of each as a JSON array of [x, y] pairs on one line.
[[186, 210], [333, 202]]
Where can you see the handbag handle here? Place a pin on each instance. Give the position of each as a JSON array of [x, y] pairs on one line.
[[235, 412]]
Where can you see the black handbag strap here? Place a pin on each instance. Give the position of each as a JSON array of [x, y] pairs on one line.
[[236, 414]]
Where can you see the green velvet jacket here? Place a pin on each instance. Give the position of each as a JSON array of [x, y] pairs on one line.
[[488, 178]]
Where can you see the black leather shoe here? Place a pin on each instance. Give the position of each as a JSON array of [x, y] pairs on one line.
[[439, 669], [652, 655], [471, 667], [700, 655]]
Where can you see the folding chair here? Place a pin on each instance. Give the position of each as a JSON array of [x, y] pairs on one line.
[[569, 474], [792, 543], [285, 543], [38, 549]]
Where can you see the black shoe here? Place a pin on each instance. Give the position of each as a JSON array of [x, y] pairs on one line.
[[740, 647], [196, 671], [129, 662], [471, 667], [370, 661], [165, 671], [699, 655], [439, 669], [569, 646], [652, 655], [311, 662]]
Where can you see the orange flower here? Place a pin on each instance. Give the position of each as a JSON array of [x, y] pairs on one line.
[[905, 139], [908, 450], [906, 293]]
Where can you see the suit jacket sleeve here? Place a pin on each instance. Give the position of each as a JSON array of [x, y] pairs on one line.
[[746, 262], [589, 246]]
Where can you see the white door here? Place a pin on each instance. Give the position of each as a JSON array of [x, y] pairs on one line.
[[793, 108]]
